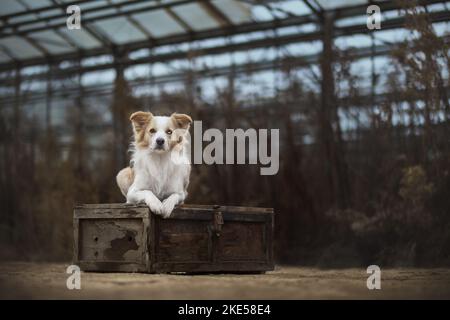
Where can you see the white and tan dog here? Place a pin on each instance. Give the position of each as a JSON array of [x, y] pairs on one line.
[[159, 175]]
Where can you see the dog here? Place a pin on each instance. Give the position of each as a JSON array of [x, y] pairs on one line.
[[160, 164]]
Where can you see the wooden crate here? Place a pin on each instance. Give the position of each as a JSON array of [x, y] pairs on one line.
[[111, 237], [195, 239]]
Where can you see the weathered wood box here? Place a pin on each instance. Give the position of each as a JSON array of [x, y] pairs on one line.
[[195, 239]]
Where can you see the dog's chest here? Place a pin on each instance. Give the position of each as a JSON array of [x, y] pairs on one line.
[[161, 177]]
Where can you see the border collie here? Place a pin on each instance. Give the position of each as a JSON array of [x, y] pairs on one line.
[[160, 165]]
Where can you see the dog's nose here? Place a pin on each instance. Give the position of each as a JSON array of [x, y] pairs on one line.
[[160, 141]]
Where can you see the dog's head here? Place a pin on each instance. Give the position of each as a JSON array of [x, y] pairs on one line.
[[159, 133]]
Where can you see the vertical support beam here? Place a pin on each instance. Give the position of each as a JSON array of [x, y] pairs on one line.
[[122, 105], [118, 82], [80, 141], [14, 165], [191, 79], [49, 145], [230, 121], [151, 76], [373, 73], [17, 102], [48, 100], [329, 122]]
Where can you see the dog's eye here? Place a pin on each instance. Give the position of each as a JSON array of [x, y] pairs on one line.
[[169, 131], [152, 130]]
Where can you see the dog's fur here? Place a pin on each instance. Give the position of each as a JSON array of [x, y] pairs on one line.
[[154, 177]]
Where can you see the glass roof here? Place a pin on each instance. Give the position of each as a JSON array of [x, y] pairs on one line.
[[159, 23], [11, 6], [4, 57], [31, 31], [37, 28], [20, 48], [335, 4], [236, 11], [81, 38], [51, 42], [196, 17], [120, 30]]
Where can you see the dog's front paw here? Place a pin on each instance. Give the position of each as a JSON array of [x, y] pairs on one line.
[[167, 208], [155, 206]]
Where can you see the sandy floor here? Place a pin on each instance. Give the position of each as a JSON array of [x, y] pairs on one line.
[[48, 281]]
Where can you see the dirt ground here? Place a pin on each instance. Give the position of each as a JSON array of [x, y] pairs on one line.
[[48, 281]]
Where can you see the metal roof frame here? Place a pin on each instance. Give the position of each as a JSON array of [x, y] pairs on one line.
[[231, 47], [240, 69], [226, 29]]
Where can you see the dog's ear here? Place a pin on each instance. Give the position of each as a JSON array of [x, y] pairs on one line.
[[181, 120], [140, 120]]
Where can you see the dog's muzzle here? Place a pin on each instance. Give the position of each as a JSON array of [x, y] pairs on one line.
[[159, 144]]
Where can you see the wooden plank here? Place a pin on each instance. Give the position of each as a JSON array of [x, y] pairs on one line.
[[153, 233], [105, 266], [108, 206], [200, 267], [181, 241], [269, 239], [209, 215], [75, 240], [111, 240], [245, 210], [145, 243], [109, 213], [196, 207], [241, 242]]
